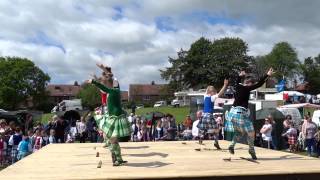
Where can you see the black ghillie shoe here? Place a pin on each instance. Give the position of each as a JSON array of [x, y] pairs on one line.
[[217, 146], [231, 150], [253, 155], [116, 163], [99, 164], [123, 162]]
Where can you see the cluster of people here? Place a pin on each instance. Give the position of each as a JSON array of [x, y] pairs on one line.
[[16, 144], [305, 135]]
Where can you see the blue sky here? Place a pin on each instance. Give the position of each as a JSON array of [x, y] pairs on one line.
[[67, 38]]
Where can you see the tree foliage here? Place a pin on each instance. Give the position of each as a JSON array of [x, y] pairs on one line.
[[20, 79], [89, 95], [311, 73], [207, 63], [284, 59]]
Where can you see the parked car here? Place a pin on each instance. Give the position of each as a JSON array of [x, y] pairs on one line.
[[139, 106], [3, 111], [160, 104]]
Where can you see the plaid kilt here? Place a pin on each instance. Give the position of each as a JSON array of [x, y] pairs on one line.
[[14, 153], [292, 140], [237, 120], [114, 126], [207, 122]]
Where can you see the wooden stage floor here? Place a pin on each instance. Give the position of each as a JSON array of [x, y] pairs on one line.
[[161, 160]]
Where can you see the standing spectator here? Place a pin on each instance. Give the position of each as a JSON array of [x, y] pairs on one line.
[[3, 126], [59, 127], [274, 141], [3, 149], [44, 137], [49, 126], [195, 129], [286, 125], [82, 130], [266, 134], [92, 129], [292, 137], [14, 142], [135, 130], [159, 131], [131, 118], [24, 148], [317, 138], [309, 130], [38, 141], [52, 139], [172, 129], [187, 123]]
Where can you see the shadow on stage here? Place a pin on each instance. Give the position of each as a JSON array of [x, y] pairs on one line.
[[155, 164], [163, 155], [136, 147]]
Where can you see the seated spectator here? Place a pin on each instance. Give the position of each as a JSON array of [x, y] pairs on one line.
[[187, 123], [24, 148], [266, 134], [195, 129], [187, 134]]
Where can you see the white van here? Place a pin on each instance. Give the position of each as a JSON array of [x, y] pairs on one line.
[[295, 114], [67, 105], [316, 117], [160, 104]]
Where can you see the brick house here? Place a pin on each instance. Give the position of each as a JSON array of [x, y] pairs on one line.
[[59, 92], [148, 93]]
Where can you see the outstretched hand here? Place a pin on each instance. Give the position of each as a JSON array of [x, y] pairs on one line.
[[225, 82], [89, 81], [242, 73], [270, 72]]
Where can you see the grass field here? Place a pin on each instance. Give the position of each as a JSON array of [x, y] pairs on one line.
[[179, 113]]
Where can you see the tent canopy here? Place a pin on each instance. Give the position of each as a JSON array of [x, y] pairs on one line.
[[302, 105], [291, 93], [274, 112]]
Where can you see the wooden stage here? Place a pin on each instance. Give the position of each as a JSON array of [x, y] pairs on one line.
[[161, 160]]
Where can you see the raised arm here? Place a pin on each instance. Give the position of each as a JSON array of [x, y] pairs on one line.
[[262, 80], [225, 84], [100, 86]]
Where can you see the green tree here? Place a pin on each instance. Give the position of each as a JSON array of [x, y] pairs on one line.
[[284, 59], [89, 96], [311, 73], [21, 79], [206, 63]]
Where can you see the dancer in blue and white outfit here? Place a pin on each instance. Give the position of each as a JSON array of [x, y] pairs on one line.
[[207, 121]]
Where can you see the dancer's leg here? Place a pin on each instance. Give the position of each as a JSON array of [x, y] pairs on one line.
[[250, 140], [216, 138], [116, 152]]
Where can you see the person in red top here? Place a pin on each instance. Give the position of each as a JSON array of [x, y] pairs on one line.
[[187, 122]]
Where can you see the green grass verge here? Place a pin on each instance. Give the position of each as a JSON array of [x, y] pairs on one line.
[[179, 113]]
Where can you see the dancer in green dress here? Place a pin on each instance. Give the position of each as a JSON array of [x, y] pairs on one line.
[[114, 123]]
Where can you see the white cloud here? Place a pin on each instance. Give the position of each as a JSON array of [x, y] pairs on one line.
[[124, 34]]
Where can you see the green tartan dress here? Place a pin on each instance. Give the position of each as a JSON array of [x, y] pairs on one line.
[[114, 122]]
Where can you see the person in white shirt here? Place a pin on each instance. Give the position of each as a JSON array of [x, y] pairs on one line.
[[266, 134], [82, 129], [195, 129]]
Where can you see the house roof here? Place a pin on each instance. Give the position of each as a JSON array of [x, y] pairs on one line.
[[146, 89], [63, 90], [124, 95]]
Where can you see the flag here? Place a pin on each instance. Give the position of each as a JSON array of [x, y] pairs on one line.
[[282, 84]]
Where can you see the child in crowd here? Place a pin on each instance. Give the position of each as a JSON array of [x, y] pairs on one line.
[[24, 148], [291, 133], [3, 149], [37, 140], [52, 139], [14, 142]]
